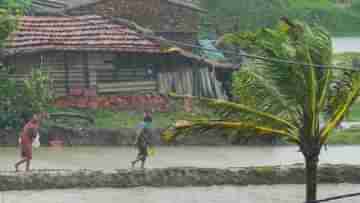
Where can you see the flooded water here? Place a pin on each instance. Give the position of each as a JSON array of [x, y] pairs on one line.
[[346, 44], [215, 194], [109, 158]]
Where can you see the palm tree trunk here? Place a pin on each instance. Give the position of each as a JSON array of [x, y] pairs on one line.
[[311, 164]]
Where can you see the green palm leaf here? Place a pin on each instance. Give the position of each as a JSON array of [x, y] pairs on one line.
[[205, 125], [285, 99]]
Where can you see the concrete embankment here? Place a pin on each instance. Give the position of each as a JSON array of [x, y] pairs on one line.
[[126, 136], [179, 177]]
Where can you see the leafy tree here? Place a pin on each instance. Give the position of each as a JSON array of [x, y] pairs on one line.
[[37, 90], [282, 99], [18, 102], [9, 11], [7, 24], [15, 5]]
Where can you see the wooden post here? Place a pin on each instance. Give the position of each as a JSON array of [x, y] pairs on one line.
[[86, 69], [133, 65], [188, 104], [156, 69], [15, 68], [66, 66]]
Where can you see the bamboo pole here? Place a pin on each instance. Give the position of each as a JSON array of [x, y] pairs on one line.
[[66, 66]]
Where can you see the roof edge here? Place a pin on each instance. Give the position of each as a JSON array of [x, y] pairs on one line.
[[188, 5], [209, 62]]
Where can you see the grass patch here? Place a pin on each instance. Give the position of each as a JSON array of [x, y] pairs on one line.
[[345, 59], [354, 114], [310, 4], [130, 119], [124, 119], [349, 136]]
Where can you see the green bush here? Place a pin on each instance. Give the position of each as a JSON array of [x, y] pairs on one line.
[[19, 102], [245, 15], [37, 90]]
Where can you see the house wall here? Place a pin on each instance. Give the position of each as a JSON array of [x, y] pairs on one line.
[[54, 61], [73, 70], [23, 64], [97, 69], [175, 79], [186, 77], [126, 70]]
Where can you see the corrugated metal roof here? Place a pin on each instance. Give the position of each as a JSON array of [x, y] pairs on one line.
[[92, 33], [210, 51]]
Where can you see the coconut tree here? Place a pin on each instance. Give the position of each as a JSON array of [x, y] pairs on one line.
[[301, 102]]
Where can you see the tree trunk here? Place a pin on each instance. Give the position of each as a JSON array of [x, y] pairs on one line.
[[311, 164]]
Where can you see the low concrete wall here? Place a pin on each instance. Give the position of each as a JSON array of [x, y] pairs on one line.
[[180, 177], [8, 137], [123, 136], [126, 136]]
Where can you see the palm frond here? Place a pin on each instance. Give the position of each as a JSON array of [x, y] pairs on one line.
[[255, 90], [208, 125], [228, 110], [345, 91]]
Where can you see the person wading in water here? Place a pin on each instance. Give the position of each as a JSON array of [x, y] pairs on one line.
[[142, 140], [26, 138]]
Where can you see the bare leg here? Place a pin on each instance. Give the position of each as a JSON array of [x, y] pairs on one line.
[[28, 164], [143, 160], [142, 164], [134, 162], [19, 163]]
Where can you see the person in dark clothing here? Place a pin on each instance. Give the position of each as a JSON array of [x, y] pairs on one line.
[[142, 144], [147, 119], [150, 75]]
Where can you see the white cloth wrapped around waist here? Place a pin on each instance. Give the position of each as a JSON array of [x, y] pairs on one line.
[[36, 141]]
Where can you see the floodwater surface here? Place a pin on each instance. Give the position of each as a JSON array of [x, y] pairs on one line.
[[214, 194], [346, 44]]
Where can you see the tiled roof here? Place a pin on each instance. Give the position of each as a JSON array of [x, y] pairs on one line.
[[76, 33]]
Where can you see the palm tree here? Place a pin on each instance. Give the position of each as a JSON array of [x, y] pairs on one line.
[[288, 100]]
